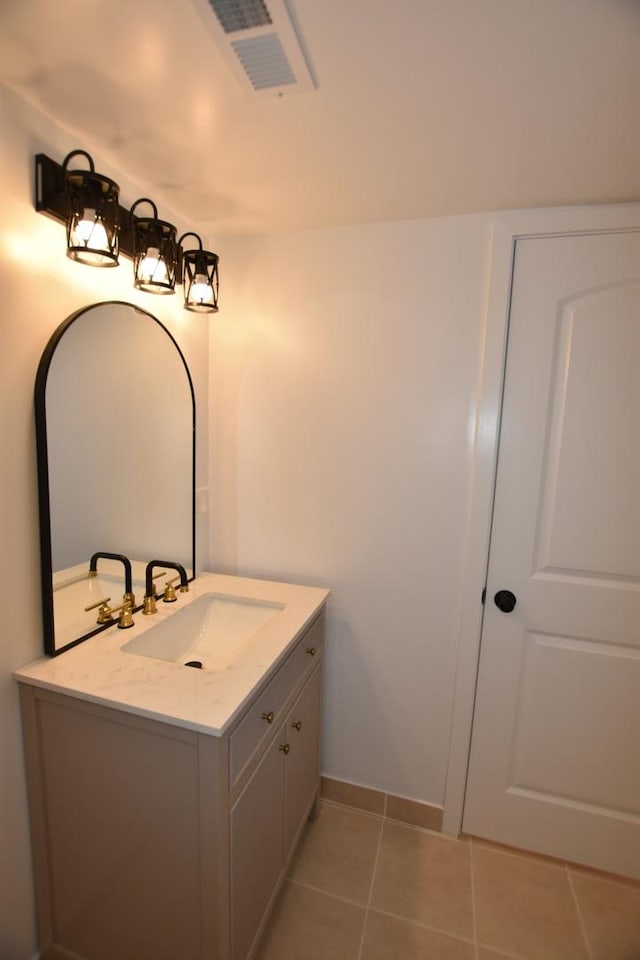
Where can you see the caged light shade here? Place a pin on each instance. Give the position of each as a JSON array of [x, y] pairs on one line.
[[92, 222], [199, 277], [155, 251]]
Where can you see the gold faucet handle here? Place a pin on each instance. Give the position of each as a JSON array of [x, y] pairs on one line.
[[169, 590], [104, 613], [98, 603], [125, 620]]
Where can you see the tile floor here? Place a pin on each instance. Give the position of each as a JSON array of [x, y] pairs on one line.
[[361, 888]]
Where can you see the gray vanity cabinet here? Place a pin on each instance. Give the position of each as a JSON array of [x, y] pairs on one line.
[[154, 842]]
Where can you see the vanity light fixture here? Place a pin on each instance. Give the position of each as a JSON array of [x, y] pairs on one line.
[[99, 229], [92, 219], [155, 251], [199, 277]]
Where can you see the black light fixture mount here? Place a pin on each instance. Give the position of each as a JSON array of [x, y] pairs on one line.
[[199, 277], [155, 251], [92, 218]]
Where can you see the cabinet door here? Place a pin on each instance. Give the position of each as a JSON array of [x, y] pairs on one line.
[[302, 733], [256, 849], [118, 860]]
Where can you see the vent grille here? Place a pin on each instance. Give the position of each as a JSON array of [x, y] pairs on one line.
[[264, 61], [237, 15], [261, 42]]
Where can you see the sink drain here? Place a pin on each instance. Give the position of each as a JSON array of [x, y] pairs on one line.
[[194, 663]]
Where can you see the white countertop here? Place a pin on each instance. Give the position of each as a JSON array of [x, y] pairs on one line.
[[98, 670]]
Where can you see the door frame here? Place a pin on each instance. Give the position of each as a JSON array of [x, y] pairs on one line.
[[506, 229]]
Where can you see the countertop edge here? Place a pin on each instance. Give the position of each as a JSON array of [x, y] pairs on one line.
[[48, 673]]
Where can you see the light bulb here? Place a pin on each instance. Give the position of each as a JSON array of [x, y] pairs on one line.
[[200, 291], [153, 267], [90, 232]]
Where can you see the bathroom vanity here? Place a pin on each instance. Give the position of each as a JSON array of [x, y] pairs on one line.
[[166, 801], [172, 764]]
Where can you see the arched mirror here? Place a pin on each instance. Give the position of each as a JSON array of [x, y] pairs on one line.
[[115, 430]]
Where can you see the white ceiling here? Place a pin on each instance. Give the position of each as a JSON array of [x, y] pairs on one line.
[[423, 107]]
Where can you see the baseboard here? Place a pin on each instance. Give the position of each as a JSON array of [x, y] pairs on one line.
[[387, 805]]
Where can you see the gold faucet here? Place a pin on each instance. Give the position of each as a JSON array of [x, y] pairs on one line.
[[149, 593], [105, 613], [170, 590], [149, 602]]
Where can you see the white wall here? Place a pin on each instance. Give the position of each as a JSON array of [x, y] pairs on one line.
[[40, 287], [344, 372]]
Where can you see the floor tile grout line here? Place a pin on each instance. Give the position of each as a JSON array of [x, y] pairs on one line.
[[398, 916], [327, 893], [576, 903], [362, 935], [424, 926], [474, 922], [371, 886], [375, 866]]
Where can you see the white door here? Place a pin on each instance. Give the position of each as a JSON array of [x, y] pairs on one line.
[[555, 750]]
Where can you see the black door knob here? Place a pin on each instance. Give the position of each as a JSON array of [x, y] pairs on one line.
[[505, 600]]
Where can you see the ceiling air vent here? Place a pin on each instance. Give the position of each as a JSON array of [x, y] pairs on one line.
[[240, 14], [264, 61], [261, 44]]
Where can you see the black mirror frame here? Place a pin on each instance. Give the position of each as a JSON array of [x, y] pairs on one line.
[[42, 459]]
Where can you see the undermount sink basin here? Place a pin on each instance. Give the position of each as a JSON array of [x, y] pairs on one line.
[[211, 631]]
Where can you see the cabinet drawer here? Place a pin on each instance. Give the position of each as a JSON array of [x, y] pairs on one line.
[[253, 728]]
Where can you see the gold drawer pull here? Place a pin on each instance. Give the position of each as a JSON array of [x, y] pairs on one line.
[[284, 748], [268, 716], [297, 725], [311, 651]]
